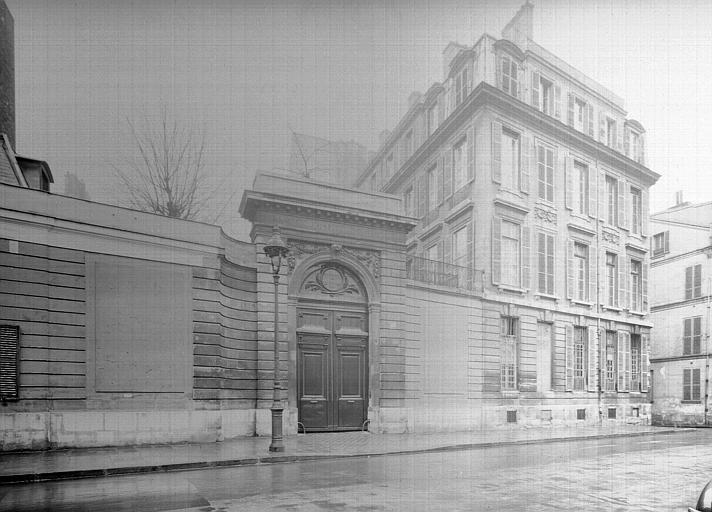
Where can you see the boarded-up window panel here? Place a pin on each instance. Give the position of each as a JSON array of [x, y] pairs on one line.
[[142, 326], [9, 362]]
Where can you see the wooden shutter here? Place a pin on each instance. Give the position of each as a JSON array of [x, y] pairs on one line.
[[644, 283], [602, 341], [688, 283], [592, 192], [536, 103], [666, 238], [569, 178], [557, 101], [570, 269], [686, 384], [570, 112], [592, 273], [621, 292], [471, 153], [9, 362], [497, 152], [592, 359], [569, 357], [524, 164], [620, 361], [622, 220], [697, 281], [645, 226], [447, 173], [687, 336], [526, 277], [602, 127], [446, 256], [644, 362], [627, 283], [589, 109], [496, 251]]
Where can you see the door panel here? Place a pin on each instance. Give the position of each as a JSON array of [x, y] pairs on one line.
[[332, 369]]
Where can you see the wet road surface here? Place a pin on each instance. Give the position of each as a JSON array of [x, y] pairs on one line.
[[652, 472]]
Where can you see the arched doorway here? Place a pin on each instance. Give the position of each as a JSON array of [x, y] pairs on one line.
[[332, 349]]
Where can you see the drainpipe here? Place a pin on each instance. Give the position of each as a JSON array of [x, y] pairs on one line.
[[707, 349], [598, 298]]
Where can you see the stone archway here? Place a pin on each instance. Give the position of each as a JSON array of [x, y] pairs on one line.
[[332, 349]]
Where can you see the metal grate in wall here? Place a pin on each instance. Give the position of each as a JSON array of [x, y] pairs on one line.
[[9, 362]]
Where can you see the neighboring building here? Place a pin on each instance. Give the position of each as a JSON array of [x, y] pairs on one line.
[[680, 275], [7, 72], [531, 192], [74, 186], [327, 161], [22, 171]]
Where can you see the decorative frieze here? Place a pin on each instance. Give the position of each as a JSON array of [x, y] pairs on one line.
[[610, 236], [545, 214], [298, 250]]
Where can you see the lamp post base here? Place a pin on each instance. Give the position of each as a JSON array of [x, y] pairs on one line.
[[277, 444]]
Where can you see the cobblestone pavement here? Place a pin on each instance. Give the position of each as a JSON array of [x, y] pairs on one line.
[[645, 473]]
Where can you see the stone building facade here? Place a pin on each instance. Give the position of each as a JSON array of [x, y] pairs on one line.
[[681, 251], [531, 193]]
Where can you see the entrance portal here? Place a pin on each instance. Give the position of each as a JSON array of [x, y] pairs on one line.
[[332, 351]]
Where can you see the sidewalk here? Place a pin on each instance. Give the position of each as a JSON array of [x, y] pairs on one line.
[[19, 467]]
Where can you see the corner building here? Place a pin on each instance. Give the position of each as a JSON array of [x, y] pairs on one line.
[[527, 270]]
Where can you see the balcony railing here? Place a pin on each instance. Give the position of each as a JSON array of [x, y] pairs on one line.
[[443, 274]]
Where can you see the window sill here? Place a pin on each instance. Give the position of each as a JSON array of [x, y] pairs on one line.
[[582, 303], [691, 402], [510, 393], [612, 308], [513, 289], [546, 296], [637, 313]]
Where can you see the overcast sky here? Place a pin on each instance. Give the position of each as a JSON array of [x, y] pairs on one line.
[[243, 72]]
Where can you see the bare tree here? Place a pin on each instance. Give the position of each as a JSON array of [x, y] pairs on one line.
[[167, 174]]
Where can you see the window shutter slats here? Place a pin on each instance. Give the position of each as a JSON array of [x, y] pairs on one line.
[[592, 359], [688, 283], [497, 152], [570, 269], [622, 220], [666, 238], [569, 177], [535, 90], [620, 361], [570, 111], [687, 336], [628, 284], [589, 109], [524, 166], [697, 282], [9, 362], [645, 227], [526, 277], [620, 260], [644, 283], [496, 251], [592, 273], [569, 357], [557, 101], [592, 192], [471, 138], [602, 127]]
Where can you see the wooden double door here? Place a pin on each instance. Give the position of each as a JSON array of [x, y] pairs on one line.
[[332, 369]]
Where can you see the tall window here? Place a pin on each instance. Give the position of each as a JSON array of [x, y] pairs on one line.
[[611, 200], [510, 81], [510, 160], [610, 132], [580, 271], [581, 185], [580, 115], [545, 166], [508, 368], [545, 253], [691, 385], [579, 358], [460, 254], [661, 243], [459, 162], [636, 214], [511, 257], [635, 362], [612, 278], [461, 87], [609, 380], [433, 187], [408, 201], [432, 119], [636, 285], [547, 96], [692, 336], [693, 282], [432, 253]]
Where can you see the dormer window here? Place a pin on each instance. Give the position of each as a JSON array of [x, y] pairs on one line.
[[542, 93], [633, 141], [510, 79], [610, 132], [634, 144], [462, 86]]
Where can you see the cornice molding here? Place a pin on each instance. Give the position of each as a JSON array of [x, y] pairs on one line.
[[581, 229]]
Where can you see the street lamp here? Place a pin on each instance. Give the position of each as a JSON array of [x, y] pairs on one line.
[[276, 250]]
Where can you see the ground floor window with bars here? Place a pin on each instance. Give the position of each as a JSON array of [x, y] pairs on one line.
[[609, 378], [691, 385], [635, 374], [9, 362], [508, 368], [579, 358]]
